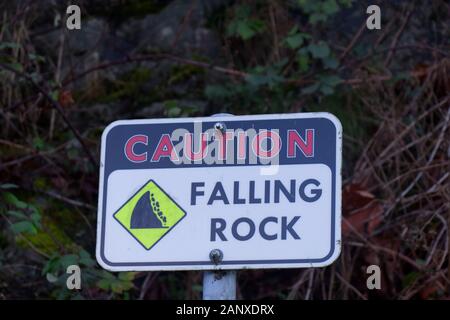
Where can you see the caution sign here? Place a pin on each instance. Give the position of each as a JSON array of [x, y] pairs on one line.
[[264, 190], [149, 214]]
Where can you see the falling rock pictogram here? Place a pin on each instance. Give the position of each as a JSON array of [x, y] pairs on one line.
[[149, 214], [143, 215]]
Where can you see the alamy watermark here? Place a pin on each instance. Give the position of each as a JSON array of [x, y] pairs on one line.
[[73, 281]]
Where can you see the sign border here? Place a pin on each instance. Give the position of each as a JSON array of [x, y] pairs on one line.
[[230, 264]]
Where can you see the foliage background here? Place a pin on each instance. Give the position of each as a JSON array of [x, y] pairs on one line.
[[150, 58]]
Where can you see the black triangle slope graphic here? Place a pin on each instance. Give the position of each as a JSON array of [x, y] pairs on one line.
[[143, 216]]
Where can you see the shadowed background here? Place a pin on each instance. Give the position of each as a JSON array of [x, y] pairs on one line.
[[150, 59]]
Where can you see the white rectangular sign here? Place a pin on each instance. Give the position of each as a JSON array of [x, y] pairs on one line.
[[261, 191]]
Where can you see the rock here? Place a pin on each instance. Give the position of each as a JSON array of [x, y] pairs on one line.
[[184, 108], [101, 41], [77, 42], [165, 31], [155, 110], [102, 112]]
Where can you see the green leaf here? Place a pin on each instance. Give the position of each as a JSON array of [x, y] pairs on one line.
[[421, 262], [242, 11], [104, 284], [330, 62], [331, 81], [294, 41], [169, 104], [84, 254], [117, 287], [405, 75], [77, 297], [303, 62], [346, 3], [127, 276], [17, 214], [12, 199], [256, 80], [51, 266], [36, 218], [326, 89], [68, 260], [36, 57], [86, 260], [16, 66], [330, 7], [319, 50], [173, 109], [244, 30], [9, 45], [309, 6], [311, 89], [243, 25], [328, 83], [269, 78], [174, 112], [294, 38], [51, 277], [55, 95], [38, 143], [8, 186], [217, 92], [317, 17], [410, 278], [108, 275], [294, 30], [23, 227]]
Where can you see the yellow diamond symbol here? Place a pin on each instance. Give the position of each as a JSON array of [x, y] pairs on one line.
[[149, 214]]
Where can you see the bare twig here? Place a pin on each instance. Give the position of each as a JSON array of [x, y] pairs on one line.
[[69, 201], [350, 286], [397, 37], [55, 104], [184, 23], [353, 41]]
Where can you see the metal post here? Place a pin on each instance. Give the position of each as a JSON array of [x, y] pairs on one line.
[[219, 285]]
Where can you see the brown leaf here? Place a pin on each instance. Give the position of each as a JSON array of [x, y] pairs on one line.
[[420, 71], [428, 291], [65, 98], [355, 196], [362, 211], [59, 182], [365, 220]]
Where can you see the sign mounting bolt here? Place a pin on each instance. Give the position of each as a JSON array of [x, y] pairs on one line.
[[216, 256], [220, 126]]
